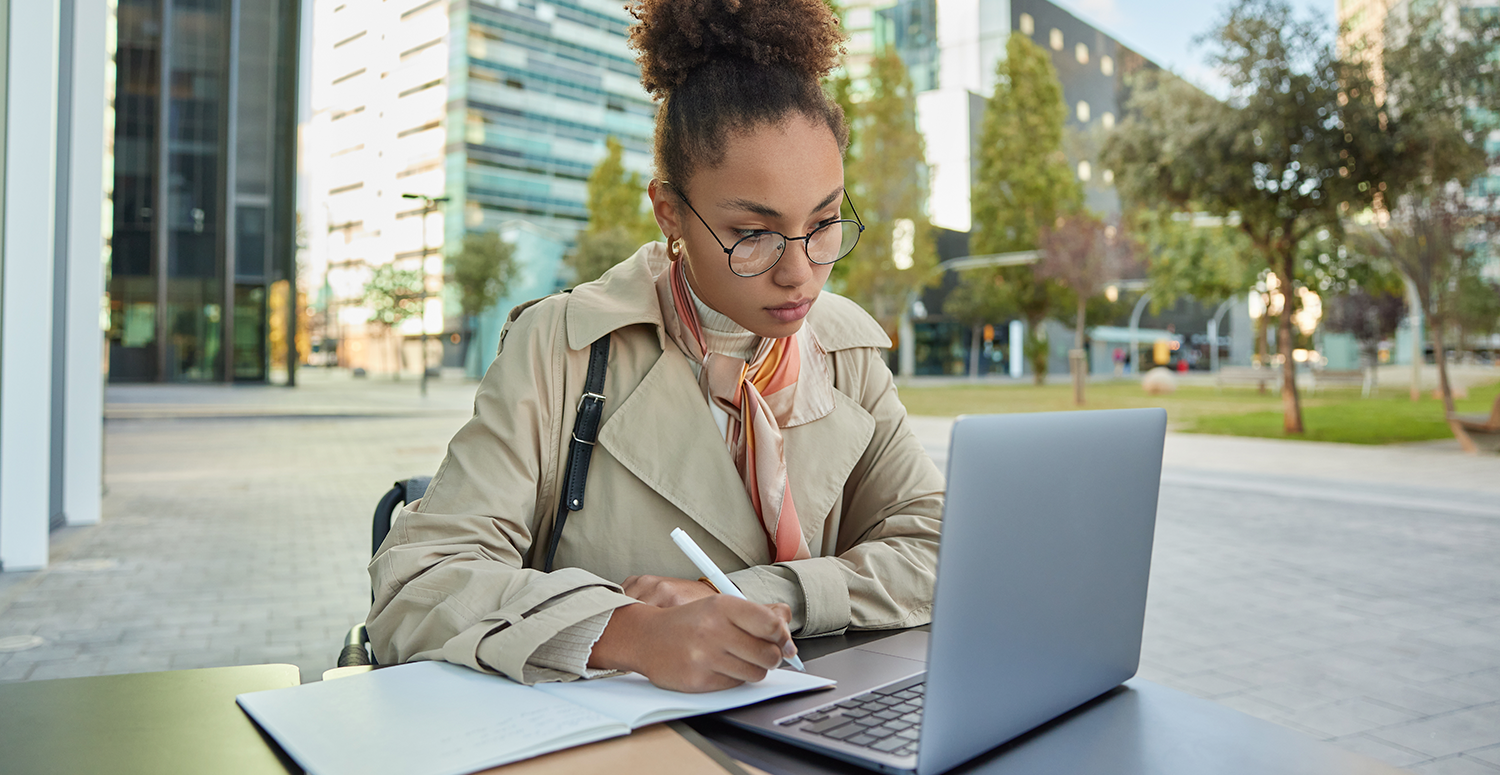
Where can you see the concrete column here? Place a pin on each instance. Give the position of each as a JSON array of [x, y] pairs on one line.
[[82, 392], [26, 245], [1017, 348]]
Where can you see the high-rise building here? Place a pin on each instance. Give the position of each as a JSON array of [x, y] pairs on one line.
[[202, 275], [500, 106]]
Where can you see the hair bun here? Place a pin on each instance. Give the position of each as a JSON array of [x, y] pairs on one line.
[[676, 37]]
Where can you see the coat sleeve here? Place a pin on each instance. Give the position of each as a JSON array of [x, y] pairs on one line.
[[881, 572], [451, 581]]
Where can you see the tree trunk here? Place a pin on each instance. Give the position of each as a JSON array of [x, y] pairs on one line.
[[1291, 407], [974, 342], [400, 356], [1078, 358], [1038, 351], [1445, 390]]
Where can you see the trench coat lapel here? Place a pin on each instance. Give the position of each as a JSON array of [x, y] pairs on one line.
[[819, 457], [663, 433]]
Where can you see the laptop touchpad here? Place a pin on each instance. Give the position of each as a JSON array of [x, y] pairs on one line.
[[907, 645]]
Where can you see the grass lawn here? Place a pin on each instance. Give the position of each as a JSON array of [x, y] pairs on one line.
[[1337, 415]]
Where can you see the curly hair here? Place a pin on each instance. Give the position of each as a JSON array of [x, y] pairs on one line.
[[725, 66]]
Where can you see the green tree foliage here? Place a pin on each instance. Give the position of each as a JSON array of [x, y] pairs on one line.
[[1024, 179], [482, 269], [1024, 182], [1477, 311], [1209, 261], [619, 223], [886, 177], [1283, 154], [394, 295], [1440, 94]]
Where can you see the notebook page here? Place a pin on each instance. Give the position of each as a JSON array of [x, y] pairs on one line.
[[424, 718], [634, 700]]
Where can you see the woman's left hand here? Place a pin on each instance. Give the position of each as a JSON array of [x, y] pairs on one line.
[[664, 592]]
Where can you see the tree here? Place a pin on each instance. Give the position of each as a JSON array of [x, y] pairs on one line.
[[1371, 314], [886, 177], [1478, 307], [394, 295], [481, 269], [1023, 182], [1082, 254], [1434, 241], [1208, 261], [619, 222], [1283, 155], [1438, 107]]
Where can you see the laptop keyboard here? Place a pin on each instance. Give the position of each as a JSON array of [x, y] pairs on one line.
[[887, 719]]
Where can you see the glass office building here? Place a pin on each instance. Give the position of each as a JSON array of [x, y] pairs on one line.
[[501, 106], [204, 213]]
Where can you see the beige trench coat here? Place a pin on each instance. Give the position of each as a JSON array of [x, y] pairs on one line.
[[458, 578]]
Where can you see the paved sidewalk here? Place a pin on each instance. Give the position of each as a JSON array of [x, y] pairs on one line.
[[1349, 592]]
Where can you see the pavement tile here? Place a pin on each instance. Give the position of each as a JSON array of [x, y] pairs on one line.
[[1378, 749], [1348, 717], [1447, 734], [1455, 765], [1490, 755]]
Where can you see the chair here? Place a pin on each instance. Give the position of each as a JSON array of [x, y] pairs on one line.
[[356, 649]]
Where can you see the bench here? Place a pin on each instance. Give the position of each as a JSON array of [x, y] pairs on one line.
[[1247, 375], [1326, 378], [1476, 430]]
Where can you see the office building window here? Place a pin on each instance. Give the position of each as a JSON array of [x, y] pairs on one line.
[[1085, 171], [1056, 39], [1028, 24], [1081, 51], [1108, 119], [1107, 65], [1083, 112]]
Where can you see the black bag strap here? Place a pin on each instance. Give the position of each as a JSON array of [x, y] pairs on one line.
[[581, 448]]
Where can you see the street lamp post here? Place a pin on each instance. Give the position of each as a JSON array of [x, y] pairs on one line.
[[429, 204], [1213, 334]]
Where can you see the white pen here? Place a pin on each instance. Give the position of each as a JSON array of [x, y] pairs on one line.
[[715, 576]]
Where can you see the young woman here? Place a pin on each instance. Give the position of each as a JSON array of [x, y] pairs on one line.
[[743, 405]]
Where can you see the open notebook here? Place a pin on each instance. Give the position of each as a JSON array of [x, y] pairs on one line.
[[433, 718]]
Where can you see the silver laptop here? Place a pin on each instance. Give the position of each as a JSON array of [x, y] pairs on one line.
[[1040, 600]]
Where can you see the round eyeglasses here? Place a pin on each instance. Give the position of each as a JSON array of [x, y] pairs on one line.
[[756, 252]]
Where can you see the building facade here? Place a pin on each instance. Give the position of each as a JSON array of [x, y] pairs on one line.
[[203, 194], [502, 107], [952, 49]]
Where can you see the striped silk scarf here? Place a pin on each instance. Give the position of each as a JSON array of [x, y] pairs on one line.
[[786, 383]]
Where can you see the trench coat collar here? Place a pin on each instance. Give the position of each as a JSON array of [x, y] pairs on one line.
[[664, 434], [626, 296], [666, 413]]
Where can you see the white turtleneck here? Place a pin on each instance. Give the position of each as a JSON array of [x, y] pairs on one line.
[[723, 335]]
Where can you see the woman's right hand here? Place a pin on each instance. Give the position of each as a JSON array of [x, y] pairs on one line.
[[710, 644]]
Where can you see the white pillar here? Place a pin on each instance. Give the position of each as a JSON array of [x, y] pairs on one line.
[[1017, 348], [83, 391], [26, 244]]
